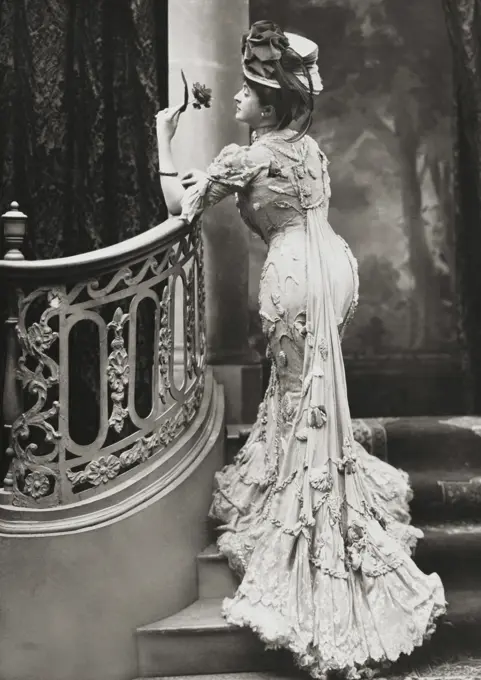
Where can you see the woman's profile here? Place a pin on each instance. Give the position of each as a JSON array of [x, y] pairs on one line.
[[317, 529]]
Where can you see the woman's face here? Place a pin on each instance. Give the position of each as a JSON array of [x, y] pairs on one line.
[[248, 107]]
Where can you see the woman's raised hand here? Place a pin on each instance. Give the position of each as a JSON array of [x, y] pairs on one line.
[[166, 122], [192, 177]]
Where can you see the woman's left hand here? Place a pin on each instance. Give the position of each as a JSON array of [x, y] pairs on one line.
[[166, 122], [192, 177]]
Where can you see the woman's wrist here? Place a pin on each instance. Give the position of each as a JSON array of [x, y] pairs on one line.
[[166, 161], [164, 145]]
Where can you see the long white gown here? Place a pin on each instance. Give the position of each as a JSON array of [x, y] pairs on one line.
[[317, 528]]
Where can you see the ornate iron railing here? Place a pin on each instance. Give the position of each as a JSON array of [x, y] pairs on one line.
[[105, 360]]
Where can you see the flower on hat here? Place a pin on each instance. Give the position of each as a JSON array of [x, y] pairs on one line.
[[265, 43]]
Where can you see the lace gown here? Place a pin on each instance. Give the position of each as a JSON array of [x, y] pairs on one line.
[[317, 529]]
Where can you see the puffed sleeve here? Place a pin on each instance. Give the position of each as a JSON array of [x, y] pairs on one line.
[[232, 170]]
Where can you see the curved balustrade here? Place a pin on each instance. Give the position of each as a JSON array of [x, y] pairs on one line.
[[151, 285]]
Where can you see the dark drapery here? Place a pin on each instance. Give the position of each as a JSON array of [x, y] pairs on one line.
[[80, 82], [464, 25]]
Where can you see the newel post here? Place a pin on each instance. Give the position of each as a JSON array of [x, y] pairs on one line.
[[14, 225]]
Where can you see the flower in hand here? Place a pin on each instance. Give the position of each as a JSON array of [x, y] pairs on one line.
[[202, 96]]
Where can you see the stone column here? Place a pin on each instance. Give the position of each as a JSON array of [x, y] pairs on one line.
[[204, 40]]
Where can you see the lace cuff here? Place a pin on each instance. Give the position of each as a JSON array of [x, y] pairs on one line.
[[193, 200]]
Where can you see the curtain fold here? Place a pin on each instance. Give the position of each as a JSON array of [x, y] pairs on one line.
[[463, 18], [80, 83]]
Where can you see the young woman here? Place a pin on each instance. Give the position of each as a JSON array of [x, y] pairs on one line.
[[317, 529]]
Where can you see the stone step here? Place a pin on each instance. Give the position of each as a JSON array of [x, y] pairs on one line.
[[442, 456], [197, 641], [371, 432], [440, 495], [215, 579], [416, 443], [231, 676], [452, 444], [453, 550]]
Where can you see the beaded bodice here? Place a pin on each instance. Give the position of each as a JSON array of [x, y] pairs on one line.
[[294, 180]]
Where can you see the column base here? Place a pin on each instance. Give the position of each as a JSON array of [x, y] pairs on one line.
[[244, 386]]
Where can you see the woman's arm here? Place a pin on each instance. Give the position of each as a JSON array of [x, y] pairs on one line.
[[172, 188], [191, 194]]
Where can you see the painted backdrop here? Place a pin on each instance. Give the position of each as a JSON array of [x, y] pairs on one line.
[[384, 120]]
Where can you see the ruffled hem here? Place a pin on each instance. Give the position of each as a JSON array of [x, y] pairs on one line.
[[273, 630], [388, 489]]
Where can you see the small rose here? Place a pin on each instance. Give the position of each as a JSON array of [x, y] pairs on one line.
[[355, 558], [317, 416], [349, 458], [355, 533], [202, 95], [36, 485], [102, 470], [347, 465], [40, 337], [321, 480]]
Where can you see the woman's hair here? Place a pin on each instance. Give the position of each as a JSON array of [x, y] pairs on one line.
[[292, 101]]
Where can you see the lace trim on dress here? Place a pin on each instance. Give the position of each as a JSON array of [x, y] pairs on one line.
[[275, 632]]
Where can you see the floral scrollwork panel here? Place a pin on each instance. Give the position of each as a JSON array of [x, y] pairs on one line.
[[118, 371], [189, 312], [201, 295], [165, 345], [35, 439]]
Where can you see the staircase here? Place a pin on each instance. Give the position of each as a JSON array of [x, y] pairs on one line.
[[443, 457]]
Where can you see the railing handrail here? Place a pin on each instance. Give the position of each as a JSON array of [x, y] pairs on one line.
[[90, 264], [158, 352]]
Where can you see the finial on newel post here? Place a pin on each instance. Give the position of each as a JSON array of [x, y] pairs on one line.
[[14, 229]]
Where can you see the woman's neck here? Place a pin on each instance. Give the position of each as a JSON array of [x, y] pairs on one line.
[[264, 130]]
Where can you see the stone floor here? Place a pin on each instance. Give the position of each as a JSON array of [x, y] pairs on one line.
[[460, 669], [457, 669]]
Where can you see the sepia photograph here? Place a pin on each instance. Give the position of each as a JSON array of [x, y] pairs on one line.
[[240, 339]]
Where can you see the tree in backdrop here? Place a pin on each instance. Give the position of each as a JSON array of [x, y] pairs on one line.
[[463, 19], [386, 67]]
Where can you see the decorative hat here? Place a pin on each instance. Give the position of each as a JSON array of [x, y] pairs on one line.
[[266, 44]]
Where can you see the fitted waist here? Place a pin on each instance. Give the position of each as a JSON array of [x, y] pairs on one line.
[[289, 232]]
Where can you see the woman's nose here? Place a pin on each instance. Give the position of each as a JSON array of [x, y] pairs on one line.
[[237, 98]]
